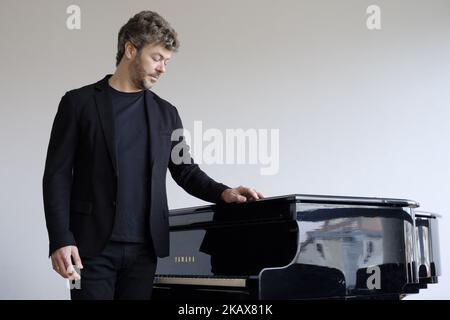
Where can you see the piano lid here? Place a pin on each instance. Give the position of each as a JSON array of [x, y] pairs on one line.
[[306, 198]]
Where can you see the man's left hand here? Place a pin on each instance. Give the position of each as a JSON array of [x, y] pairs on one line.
[[241, 194]]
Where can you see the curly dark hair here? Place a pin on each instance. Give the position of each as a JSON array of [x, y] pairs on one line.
[[146, 27]]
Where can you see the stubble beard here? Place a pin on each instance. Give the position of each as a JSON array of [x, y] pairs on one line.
[[138, 75]]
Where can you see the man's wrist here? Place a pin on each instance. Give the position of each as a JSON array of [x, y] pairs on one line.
[[222, 195]]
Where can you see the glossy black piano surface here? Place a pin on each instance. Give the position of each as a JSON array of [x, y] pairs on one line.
[[300, 247]]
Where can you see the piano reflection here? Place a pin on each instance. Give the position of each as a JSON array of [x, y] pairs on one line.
[[300, 247]]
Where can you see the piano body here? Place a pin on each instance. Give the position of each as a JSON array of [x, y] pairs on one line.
[[300, 247]]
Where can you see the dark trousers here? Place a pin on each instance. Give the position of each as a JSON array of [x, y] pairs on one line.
[[121, 271]]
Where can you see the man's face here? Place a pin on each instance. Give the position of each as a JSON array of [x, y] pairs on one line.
[[148, 65]]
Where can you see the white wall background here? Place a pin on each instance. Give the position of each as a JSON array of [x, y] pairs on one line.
[[360, 112]]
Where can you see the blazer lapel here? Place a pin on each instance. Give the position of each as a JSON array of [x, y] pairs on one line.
[[105, 111], [152, 116]]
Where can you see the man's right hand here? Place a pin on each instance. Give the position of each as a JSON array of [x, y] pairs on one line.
[[62, 262]]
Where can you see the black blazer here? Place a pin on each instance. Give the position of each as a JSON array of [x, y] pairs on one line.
[[80, 177]]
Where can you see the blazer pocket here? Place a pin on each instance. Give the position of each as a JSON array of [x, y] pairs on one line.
[[82, 207]]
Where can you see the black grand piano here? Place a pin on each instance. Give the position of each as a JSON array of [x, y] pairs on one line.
[[300, 247]]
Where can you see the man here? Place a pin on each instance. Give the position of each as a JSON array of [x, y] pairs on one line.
[[104, 181]]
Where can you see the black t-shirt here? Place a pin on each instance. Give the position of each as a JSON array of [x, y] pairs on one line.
[[132, 143]]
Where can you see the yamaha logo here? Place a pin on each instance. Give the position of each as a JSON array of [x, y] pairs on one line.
[[184, 259]]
